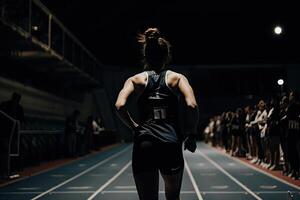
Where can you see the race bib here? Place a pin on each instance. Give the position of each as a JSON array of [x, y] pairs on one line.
[[159, 113], [294, 125]]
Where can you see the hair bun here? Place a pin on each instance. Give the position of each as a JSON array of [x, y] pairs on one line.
[[152, 33]]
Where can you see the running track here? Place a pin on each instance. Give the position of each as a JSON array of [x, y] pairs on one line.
[[208, 175]]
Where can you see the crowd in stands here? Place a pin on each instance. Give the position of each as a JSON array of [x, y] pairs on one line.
[[266, 134], [81, 138], [42, 138]]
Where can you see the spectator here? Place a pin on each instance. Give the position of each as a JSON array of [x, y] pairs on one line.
[[88, 134], [250, 116], [14, 110], [236, 126], [274, 133], [293, 112], [224, 131], [269, 134], [71, 130], [283, 133], [260, 128], [97, 128]]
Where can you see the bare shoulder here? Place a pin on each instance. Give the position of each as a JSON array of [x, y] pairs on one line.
[[139, 79], [174, 78]]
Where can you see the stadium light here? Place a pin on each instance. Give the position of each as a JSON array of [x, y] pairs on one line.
[[35, 28], [277, 30], [280, 82]]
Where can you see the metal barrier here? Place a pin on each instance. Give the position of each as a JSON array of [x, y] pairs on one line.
[[34, 20], [13, 136]]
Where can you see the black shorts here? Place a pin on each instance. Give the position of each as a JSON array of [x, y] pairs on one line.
[[149, 156]]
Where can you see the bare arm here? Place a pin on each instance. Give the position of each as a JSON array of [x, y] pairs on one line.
[[124, 115], [192, 107]]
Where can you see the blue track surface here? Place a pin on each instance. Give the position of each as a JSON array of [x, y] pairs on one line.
[[208, 175]]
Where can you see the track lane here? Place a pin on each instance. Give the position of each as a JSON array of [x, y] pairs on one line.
[[212, 183], [261, 184], [33, 186]]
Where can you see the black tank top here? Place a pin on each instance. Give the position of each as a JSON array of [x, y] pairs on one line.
[[158, 107]]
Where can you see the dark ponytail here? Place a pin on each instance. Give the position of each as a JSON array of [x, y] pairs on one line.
[[155, 49]]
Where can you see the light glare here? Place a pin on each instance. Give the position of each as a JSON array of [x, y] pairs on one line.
[[280, 82], [278, 30]]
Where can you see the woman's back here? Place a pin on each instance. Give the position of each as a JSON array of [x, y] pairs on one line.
[[158, 105]]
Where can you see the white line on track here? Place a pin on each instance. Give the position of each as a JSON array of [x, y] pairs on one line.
[[110, 181], [134, 191], [229, 175], [161, 192], [193, 180], [122, 187], [80, 174], [258, 170]]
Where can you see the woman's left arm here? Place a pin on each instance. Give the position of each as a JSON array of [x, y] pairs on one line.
[[123, 113]]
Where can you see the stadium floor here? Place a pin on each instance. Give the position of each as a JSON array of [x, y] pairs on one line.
[[209, 175]]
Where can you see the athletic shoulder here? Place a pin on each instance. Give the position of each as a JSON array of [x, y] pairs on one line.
[[174, 78], [139, 79]]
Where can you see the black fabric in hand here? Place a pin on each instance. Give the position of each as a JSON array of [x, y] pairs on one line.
[[190, 144], [136, 132]]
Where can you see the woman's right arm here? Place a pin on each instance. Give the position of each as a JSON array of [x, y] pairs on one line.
[[192, 113], [192, 106], [124, 115]]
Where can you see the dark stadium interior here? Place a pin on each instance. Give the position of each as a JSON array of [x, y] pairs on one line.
[[73, 55]]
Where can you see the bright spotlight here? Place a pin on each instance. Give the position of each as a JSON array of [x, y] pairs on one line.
[[277, 30], [35, 28], [280, 82]]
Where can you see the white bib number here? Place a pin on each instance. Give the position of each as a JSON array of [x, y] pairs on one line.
[[160, 113]]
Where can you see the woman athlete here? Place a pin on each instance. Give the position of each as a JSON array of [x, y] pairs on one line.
[[157, 139]]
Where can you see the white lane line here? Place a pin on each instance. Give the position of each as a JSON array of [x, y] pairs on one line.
[[220, 187], [80, 174], [79, 188], [110, 181], [258, 170], [161, 192], [229, 175], [268, 187], [121, 187], [73, 192], [244, 192], [224, 192], [277, 192], [193, 180], [134, 191]]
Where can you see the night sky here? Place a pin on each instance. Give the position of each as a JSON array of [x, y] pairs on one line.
[[201, 32]]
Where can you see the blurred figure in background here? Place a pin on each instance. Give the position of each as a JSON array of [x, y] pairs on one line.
[[274, 133], [250, 116], [71, 130], [97, 129], [236, 130], [224, 131], [13, 110], [293, 112], [88, 134], [13, 107], [283, 134], [259, 131]]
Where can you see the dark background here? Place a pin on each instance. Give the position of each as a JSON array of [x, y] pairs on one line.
[[227, 49], [201, 32]]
